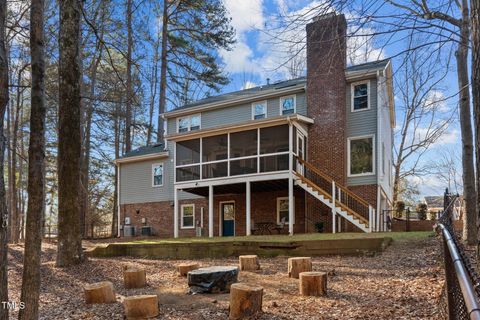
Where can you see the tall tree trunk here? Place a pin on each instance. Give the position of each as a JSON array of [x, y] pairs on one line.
[[36, 168], [69, 142], [3, 200], [475, 27], [470, 218], [163, 72], [128, 119]]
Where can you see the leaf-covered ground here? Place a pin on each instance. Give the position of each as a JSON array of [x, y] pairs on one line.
[[404, 282]]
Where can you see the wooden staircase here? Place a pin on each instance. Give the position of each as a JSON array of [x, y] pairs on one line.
[[322, 187]]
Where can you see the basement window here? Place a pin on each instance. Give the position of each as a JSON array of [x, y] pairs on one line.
[[188, 216], [360, 92]]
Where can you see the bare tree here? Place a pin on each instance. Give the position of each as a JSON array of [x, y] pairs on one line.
[[424, 121], [3, 201], [36, 168], [69, 141], [130, 96]]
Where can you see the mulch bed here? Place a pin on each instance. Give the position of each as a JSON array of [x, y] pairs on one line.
[[404, 282]]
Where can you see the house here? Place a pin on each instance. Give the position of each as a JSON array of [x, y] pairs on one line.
[[274, 155], [435, 205]]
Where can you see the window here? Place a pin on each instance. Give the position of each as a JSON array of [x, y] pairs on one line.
[[188, 216], [259, 110], [287, 105], [360, 99], [361, 156], [188, 123], [282, 210], [157, 174]]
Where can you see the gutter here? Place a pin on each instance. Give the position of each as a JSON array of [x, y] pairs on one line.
[[151, 156]]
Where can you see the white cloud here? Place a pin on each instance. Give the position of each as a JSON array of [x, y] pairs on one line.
[[246, 14], [249, 85], [436, 99]]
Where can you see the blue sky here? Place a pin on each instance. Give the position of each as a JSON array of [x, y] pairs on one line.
[[256, 57]]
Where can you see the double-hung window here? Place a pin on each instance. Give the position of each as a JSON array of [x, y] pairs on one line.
[[287, 105], [361, 156], [259, 110], [157, 174], [360, 100], [188, 216], [282, 210], [188, 123]]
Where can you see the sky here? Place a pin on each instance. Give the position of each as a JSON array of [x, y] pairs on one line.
[[256, 57]]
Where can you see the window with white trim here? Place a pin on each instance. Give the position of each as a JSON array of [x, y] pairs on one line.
[[287, 105], [282, 210], [259, 110], [188, 216], [360, 99], [157, 174], [188, 123], [361, 157]]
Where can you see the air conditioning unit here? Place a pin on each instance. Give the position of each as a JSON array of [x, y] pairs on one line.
[[129, 231], [127, 220]]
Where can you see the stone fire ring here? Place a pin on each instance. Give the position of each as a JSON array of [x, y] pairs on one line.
[[212, 279]]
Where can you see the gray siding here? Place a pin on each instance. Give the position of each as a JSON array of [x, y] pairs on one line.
[[363, 123], [239, 113]]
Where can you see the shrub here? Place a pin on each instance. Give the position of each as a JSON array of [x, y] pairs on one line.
[[422, 209], [319, 226], [399, 208]]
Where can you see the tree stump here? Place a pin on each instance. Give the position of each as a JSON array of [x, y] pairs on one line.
[[212, 279], [184, 268], [313, 283], [100, 292], [134, 278], [297, 265], [249, 263], [245, 300], [141, 307]]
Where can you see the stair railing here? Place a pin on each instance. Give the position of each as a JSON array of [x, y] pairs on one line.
[[344, 198]]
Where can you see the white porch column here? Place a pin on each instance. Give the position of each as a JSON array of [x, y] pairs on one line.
[[210, 211], [248, 208], [370, 218], [175, 213], [334, 210], [290, 180]]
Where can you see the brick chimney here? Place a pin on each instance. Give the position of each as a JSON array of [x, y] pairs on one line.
[[326, 94]]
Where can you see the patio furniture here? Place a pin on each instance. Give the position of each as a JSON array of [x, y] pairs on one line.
[[253, 227], [265, 227], [281, 226], [216, 279]]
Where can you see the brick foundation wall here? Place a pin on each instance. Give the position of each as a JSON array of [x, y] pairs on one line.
[[159, 215]]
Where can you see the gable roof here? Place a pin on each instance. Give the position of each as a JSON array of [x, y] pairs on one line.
[[143, 153], [280, 86]]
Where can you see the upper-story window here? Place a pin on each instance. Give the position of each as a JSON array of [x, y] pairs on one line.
[[189, 123], [287, 105], [259, 110], [361, 156], [360, 100], [157, 174]]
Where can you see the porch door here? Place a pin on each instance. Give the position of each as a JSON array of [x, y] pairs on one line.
[[228, 218], [300, 151]]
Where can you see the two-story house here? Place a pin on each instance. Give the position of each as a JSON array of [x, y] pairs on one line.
[[303, 153]]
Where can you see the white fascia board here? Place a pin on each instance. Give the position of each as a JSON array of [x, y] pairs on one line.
[[151, 156]]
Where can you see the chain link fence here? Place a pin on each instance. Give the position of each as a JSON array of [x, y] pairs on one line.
[[461, 278]]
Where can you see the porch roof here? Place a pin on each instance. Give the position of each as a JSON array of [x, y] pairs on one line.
[[239, 188]]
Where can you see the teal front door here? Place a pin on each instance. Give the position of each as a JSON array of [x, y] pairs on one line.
[[228, 218]]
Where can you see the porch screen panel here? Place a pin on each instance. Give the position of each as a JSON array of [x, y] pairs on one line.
[[214, 170], [274, 163], [214, 148], [244, 166], [188, 173], [274, 139], [188, 152], [243, 144]]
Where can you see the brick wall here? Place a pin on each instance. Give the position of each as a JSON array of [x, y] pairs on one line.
[[159, 215]]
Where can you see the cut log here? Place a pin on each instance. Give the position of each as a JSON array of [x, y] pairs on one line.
[[313, 283], [212, 279], [184, 268], [297, 265], [141, 307], [245, 300], [249, 263], [100, 292], [134, 278]]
